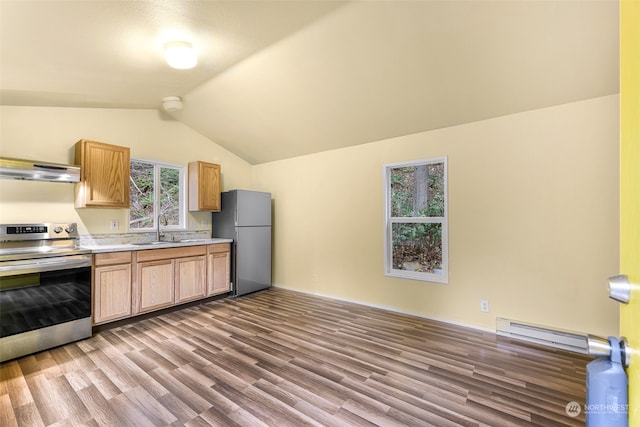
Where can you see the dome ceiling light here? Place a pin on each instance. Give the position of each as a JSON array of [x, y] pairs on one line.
[[180, 54]]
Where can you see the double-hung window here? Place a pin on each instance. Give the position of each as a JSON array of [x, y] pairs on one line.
[[415, 235], [157, 192]]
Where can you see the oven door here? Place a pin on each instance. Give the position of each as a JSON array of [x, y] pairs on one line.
[[44, 302]]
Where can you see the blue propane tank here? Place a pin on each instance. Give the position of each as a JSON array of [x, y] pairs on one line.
[[607, 400]]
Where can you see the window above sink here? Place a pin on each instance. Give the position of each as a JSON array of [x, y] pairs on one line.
[[157, 196]]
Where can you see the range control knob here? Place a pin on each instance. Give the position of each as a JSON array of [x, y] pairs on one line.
[[57, 229], [70, 228]]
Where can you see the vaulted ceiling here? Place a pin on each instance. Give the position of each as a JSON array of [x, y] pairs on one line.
[[279, 79]]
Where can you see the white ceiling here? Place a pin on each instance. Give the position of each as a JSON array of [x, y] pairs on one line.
[[278, 79]]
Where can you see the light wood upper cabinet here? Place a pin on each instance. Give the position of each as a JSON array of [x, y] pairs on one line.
[[104, 175], [204, 186], [111, 287]]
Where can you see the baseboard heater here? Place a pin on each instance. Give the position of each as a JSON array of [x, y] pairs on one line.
[[566, 340]]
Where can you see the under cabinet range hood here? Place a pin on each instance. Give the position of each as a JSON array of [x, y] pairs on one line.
[[38, 171]]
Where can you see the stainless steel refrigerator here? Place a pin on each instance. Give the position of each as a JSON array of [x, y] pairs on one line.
[[246, 218]]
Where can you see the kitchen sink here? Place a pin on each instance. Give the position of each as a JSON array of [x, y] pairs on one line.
[[155, 242], [168, 242]]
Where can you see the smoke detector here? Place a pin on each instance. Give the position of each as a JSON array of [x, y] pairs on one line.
[[172, 103]]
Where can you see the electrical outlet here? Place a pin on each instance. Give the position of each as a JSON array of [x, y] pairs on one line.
[[203, 224], [484, 306], [315, 277], [114, 225]]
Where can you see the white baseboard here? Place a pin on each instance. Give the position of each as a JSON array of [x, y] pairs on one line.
[[392, 309]]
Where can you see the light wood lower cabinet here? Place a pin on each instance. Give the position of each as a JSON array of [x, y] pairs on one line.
[[111, 286], [169, 276], [218, 269], [154, 285], [190, 278], [130, 283]]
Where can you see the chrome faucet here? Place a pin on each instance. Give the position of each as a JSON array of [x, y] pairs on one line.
[[159, 235]]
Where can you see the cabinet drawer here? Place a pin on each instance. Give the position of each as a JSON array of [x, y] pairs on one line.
[[219, 247], [181, 252], [111, 258]]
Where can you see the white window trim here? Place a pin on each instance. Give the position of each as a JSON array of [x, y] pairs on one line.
[[388, 221], [183, 204]]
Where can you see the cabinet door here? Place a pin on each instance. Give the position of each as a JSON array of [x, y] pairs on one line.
[[155, 285], [204, 187], [104, 175], [112, 293], [219, 273], [190, 278]]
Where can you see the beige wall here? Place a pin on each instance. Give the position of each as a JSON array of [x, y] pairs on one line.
[[533, 202], [533, 219], [49, 134]]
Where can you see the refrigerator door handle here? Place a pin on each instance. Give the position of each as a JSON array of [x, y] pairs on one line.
[[234, 261]]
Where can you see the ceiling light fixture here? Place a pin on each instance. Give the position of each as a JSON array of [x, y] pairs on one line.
[[180, 55], [172, 103]]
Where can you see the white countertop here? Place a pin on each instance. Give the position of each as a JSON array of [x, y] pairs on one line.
[[160, 245]]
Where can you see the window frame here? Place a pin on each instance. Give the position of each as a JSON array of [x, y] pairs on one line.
[[157, 166], [389, 221]]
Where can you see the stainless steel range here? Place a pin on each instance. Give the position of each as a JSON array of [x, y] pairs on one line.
[[45, 288]]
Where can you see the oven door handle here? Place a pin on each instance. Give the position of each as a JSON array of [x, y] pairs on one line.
[[39, 265]]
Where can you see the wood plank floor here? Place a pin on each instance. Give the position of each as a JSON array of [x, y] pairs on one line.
[[282, 358]]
